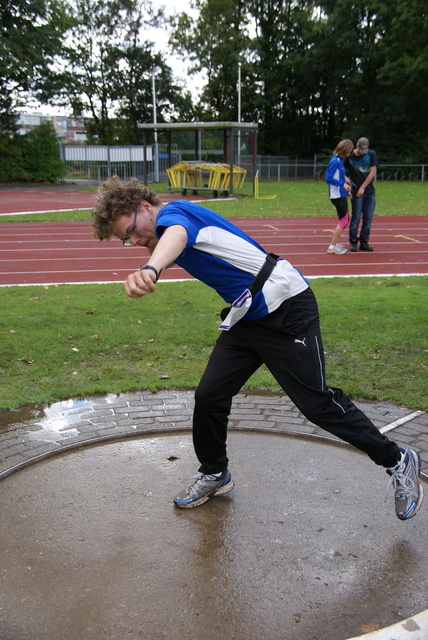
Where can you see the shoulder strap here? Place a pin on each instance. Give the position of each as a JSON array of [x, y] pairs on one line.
[[263, 274]]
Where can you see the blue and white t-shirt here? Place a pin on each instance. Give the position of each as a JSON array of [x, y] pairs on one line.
[[225, 258]]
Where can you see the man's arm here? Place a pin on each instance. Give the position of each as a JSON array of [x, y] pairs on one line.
[[169, 247], [370, 177]]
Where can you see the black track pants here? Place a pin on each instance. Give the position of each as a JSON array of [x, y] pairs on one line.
[[288, 342]]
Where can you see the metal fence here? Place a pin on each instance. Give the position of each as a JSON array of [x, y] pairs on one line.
[[94, 163], [285, 168], [91, 164]]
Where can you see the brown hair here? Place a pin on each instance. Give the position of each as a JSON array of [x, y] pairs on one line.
[[344, 147], [115, 199]]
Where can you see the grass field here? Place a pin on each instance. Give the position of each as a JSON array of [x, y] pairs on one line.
[[66, 341], [73, 340]]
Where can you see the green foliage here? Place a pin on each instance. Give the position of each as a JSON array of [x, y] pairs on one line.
[[73, 340], [214, 44], [108, 71], [40, 155], [30, 38], [11, 163], [32, 157], [314, 72]]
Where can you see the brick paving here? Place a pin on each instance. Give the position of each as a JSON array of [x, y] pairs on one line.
[[34, 433]]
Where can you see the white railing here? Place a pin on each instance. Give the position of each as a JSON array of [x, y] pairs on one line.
[[95, 163]]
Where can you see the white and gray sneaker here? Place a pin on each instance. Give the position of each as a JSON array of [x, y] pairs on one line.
[[338, 249], [405, 479], [203, 488]]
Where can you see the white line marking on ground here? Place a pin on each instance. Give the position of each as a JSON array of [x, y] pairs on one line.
[[400, 421], [27, 213], [166, 281]]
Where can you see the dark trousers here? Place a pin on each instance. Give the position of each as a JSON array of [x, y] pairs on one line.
[[288, 342]]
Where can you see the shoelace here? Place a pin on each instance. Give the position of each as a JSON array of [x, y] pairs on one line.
[[401, 483], [197, 480]]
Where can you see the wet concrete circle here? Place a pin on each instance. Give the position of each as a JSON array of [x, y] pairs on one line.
[[303, 548]]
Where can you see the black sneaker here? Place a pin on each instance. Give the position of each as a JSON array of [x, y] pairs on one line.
[[353, 245], [364, 246]]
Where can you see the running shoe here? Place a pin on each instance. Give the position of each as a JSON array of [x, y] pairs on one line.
[[405, 479], [203, 488], [337, 249]]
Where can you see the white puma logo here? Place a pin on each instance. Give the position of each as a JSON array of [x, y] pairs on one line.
[[301, 341]]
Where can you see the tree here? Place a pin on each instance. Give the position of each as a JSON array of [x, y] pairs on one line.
[[386, 49], [397, 116], [30, 37], [39, 148], [107, 69], [284, 33], [143, 71], [315, 71], [215, 43]]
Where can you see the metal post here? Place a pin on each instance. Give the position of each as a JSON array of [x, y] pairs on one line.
[[169, 161], [197, 146], [239, 113], [232, 155], [254, 159], [156, 159], [144, 158]]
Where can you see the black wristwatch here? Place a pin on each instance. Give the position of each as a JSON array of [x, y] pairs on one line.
[[155, 271]]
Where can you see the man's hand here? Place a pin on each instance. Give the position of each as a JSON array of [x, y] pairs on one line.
[[140, 283], [169, 247], [371, 176]]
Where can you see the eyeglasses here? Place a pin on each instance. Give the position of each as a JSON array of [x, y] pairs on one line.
[[127, 241]]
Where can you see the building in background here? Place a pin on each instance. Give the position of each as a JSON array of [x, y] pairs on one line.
[[68, 129]]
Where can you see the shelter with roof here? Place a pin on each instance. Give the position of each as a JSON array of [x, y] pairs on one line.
[[222, 178]]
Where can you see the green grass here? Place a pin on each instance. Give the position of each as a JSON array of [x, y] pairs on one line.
[[69, 341], [293, 199]]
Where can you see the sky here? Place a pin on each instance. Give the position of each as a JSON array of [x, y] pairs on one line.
[[179, 68]]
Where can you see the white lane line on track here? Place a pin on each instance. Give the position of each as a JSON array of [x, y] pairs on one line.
[[27, 213], [308, 277]]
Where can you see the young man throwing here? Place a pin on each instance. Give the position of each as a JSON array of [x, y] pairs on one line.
[[272, 318]]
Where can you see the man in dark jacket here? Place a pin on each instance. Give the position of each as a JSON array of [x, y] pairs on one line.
[[362, 168]]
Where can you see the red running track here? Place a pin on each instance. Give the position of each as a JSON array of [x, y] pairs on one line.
[[35, 200], [66, 252], [24, 201]]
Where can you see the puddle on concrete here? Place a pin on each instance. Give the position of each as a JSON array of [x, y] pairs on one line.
[[55, 417], [59, 415]]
